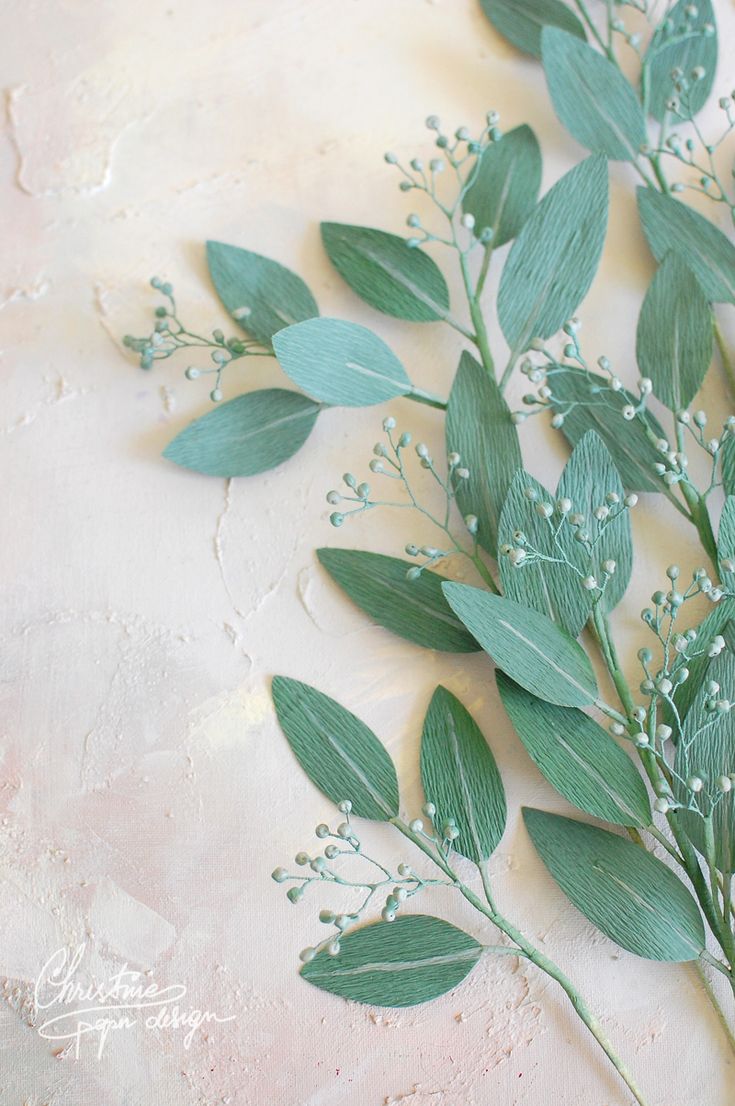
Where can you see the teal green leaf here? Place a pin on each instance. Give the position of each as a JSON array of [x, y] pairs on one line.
[[340, 363], [260, 294], [505, 186], [727, 455], [339, 753], [675, 333], [387, 273], [246, 435], [460, 777], [411, 960], [671, 49], [522, 21], [591, 97], [726, 543], [578, 757], [630, 895], [553, 260], [413, 609], [480, 430], [527, 646], [670, 225]]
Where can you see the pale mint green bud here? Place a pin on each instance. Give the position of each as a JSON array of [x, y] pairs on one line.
[[322, 830], [279, 875], [295, 894], [416, 826], [307, 955]]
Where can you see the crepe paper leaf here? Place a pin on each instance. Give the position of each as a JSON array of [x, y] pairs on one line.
[[246, 435], [699, 667], [340, 363], [675, 334], [460, 777], [727, 460], [527, 646], [630, 895], [411, 960], [726, 543], [505, 187], [591, 97], [413, 609], [522, 21], [586, 406], [588, 477], [686, 52], [553, 590], [480, 430], [578, 757], [552, 262], [262, 295], [339, 753], [669, 224], [390, 275]]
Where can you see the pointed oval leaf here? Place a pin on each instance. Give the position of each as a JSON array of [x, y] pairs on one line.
[[670, 225], [413, 609], [411, 960], [726, 543], [479, 428], [390, 275], [630, 895], [552, 262], [578, 757], [527, 646], [246, 435], [522, 21], [340, 363], [505, 186], [681, 42], [675, 333], [339, 753], [591, 97], [460, 777], [262, 295]]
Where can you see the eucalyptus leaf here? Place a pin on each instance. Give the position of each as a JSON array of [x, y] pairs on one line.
[[671, 225], [413, 609], [625, 891], [401, 963], [552, 262], [675, 333], [246, 435], [480, 430], [591, 97], [527, 646], [699, 667], [339, 753], [460, 777], [522, 21], [505, 186], [727, 456], [578, 757], [387, 273], [681, 42], [262, 295], [340, 363], [726, 543]]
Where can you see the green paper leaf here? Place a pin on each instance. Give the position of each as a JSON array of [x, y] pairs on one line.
[[339, 753], [460, 777], [527, 646], [552, 262], [522, 21], [671, 225], [591, 97], [675, 334], [699, 667], [630, 895], [727, 456], [632, 449], [388, 274], [505, 187], [340, 363], [578, 757], [260, 294], [480, 430], [726, 542], [413, 609], [411, 960], [246, 435], [686, 52]]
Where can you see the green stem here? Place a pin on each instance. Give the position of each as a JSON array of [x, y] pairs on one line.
[[418, 395], [714, 1001], [478, 321]]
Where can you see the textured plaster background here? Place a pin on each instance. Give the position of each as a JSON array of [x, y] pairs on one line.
[[145, 789]]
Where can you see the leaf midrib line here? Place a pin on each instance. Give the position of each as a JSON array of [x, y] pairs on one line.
[[686, 939], [400, 278], [469, 810], [400, 965], [597, 776], [552, 663], [376, 374]]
